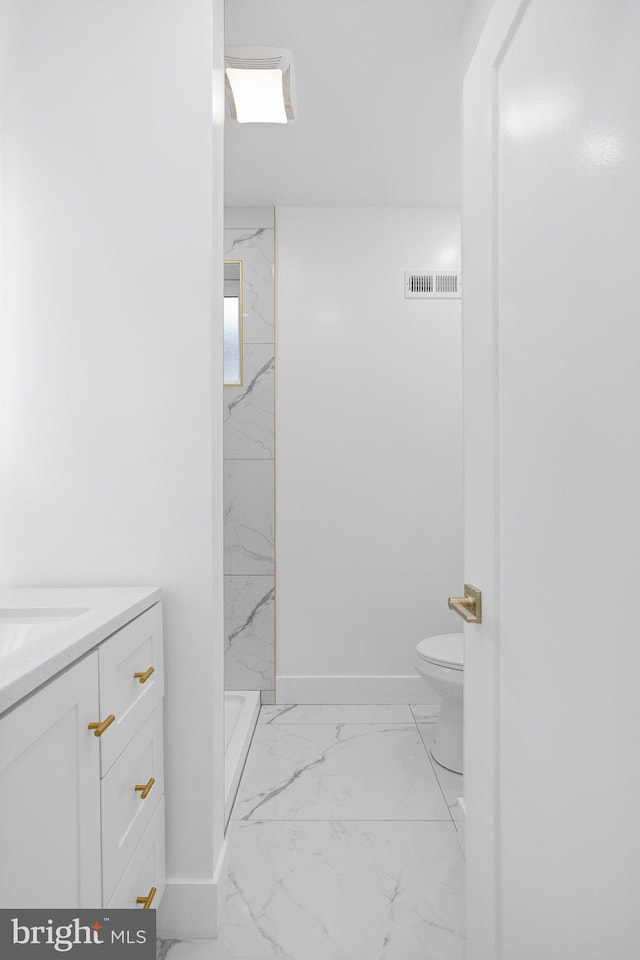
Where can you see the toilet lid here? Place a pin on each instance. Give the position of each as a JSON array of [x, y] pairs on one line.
[[446, 650]]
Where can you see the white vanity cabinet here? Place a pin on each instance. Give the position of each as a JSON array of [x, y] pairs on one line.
[[81, 794], [50, 795]]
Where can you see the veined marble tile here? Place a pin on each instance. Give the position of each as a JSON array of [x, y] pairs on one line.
[[339, 891], [249, 629], [426, 712], [338, 771], [451, 784], [164, 946], [187, 950], [255, 249], [249, 409], [248, 516], [336, 713]]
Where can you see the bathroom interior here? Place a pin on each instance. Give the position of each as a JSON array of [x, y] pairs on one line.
[[241, 479], [343, 463]]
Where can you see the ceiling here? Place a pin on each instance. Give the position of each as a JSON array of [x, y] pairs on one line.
[[379, 86]]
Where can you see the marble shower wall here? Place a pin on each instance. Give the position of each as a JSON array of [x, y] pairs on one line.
[[249, 475]]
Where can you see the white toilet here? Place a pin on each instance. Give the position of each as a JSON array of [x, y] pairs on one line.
[[440, 661]]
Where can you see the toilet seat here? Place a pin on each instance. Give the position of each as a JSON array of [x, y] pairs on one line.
[[445, 650]]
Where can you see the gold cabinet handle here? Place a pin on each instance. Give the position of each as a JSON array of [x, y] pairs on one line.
[[468, 607], [144, 788], [99, 728], [147, 900], [143, 677]]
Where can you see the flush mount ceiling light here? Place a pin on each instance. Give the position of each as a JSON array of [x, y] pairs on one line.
[[260, 84]]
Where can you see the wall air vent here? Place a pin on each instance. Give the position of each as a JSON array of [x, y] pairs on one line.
[[429, 284]]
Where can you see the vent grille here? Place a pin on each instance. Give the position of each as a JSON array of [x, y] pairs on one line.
[[420, 283], [255, 63], [446, 283], [428, 283]]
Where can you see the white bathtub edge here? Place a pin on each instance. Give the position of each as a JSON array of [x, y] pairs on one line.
[[461, 826], [236, 752]]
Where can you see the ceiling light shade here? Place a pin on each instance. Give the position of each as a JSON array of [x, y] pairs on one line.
[[260, 84]]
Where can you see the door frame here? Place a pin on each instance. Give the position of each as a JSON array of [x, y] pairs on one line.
[[481, 495]]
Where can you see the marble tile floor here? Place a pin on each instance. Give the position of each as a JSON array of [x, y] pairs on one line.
[[342, 843]]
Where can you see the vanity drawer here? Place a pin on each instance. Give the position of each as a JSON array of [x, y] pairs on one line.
[[126, 812], [136, 649], [145, 869]]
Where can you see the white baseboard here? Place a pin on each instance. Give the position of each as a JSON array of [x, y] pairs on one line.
[[354, 689], [189, 908]]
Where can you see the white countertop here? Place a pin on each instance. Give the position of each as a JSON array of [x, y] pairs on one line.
[[68, 622]]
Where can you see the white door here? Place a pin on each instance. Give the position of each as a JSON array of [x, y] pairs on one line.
[[50, 795], [552, 418]]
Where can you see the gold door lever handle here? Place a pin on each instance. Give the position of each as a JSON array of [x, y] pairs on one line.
[[468, 607], [144, 788], [99, 728], [143, 677], [147, 900]]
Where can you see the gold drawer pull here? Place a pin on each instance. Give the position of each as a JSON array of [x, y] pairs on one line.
[[99, 728], [145, 788], [147, 900], [143, 677]]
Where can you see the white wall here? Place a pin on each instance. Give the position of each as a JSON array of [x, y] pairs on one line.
[[378, 104], [474, 24], [368, 450], [111, 390]]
